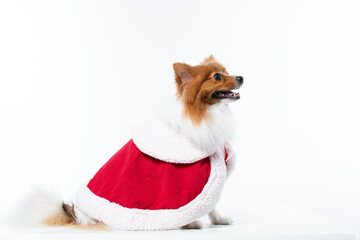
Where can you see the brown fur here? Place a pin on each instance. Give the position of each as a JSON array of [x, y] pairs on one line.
[[193, 225], [60, 219], [92, 227], [195, 86], [65, 217]]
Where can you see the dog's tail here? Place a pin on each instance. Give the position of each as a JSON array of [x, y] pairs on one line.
[[42, 207], [64, 216]]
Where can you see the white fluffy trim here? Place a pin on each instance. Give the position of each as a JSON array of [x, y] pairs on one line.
[[231, 160], [157, 139], [120, 217]]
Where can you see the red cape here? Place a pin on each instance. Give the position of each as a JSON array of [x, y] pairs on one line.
[[133, 179], [158, 180]]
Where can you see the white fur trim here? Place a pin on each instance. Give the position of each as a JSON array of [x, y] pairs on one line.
[[81, 218], [172, 137], [158, 140], [231, 160], [120, 217]]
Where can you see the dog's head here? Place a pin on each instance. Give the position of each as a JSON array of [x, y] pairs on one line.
[[204, 85]]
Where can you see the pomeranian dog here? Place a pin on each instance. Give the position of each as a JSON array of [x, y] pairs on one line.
[[172, 171]]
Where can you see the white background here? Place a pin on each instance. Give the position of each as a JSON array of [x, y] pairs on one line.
[[75, 76]]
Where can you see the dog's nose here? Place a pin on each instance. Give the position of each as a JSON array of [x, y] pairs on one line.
[[240, 80]]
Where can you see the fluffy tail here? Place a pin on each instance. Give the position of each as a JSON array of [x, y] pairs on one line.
[[72, 216], [64, 216], [45, 207], [41, 206]]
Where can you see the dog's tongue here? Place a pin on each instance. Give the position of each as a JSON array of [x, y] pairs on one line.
[[232, 94]]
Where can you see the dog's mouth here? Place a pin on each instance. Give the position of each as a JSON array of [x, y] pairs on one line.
[[228, 94]]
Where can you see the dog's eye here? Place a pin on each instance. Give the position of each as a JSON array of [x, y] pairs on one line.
[[217, 76]]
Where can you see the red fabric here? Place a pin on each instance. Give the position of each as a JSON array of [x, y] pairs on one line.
[[133, 179], [226, 156]]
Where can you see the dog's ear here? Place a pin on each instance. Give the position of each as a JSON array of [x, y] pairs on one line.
[[211, 58], [183, 72]]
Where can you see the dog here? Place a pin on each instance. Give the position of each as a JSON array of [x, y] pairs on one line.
[[173, 169]]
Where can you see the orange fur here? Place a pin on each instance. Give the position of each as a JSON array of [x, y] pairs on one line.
[[92, 227], [195, 86], [60, 219], [63, 219]]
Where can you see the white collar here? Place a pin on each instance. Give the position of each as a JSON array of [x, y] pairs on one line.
[[173, 138]]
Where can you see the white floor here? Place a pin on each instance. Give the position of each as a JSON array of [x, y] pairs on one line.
[[252, 222]]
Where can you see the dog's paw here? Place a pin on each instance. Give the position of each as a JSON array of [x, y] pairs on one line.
[[193, 225], [222, 221]]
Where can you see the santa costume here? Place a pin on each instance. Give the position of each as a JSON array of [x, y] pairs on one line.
[[159, 180]]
